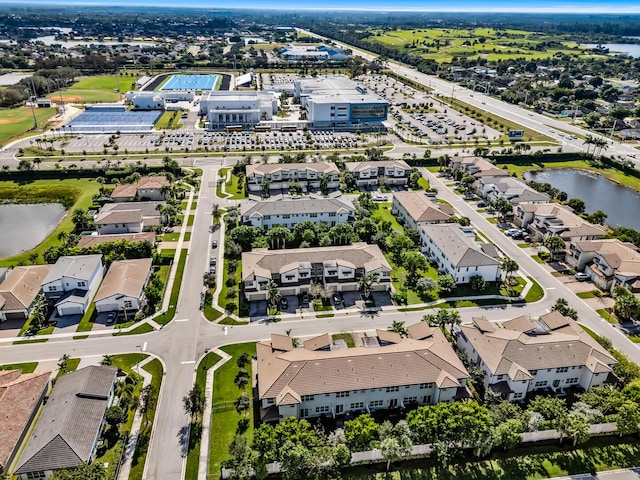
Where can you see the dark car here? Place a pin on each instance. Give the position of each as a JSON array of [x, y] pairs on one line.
[[111, 318], [284, 303], [336, 299], [214, 244], [305, 298]]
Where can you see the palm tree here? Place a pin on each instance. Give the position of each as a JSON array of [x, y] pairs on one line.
[[273, 294], [554, 244], [588, 141], [324, 183], [366, 282], [399, 328], [509, 267]]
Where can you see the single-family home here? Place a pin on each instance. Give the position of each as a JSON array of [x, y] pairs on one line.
[[147, 188], [385, 372], [120, 218], [122, 289], [391, 172], [72, 282], [455, 252], [92, 240], [288, 213], [527, 354], [545, 219], [293, 270], [414, 209], [19, 290], [509, 188], [69, 427], [609, 263], [20, 397], [278, 176], [477, 166]]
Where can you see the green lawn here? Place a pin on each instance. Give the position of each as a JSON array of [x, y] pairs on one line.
[[26, 367], [535, 292], [103, 88], [72, 366], [193, 456], [80, 96], [210, 313], [236, 190], [169, 120], [224, 418], [175, 290], [73, 192], [607, 316], [143, 328], [384, 213], [347, 337], [16, 121], [154, 367], [104, 82], [230, 303], [88, 319]]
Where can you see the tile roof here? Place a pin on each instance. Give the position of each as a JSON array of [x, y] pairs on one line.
[[423, 209], [128, 190], [304, 205], [621, 256], [361, 166], [551, 342], [148, 209], [263, 261], [78, 266], [92, 240], [65, 433], [459, 249], [125, 277], [289, 375], [563, 216], [270, 168], [20, 395], [22, 286], [119, 216]]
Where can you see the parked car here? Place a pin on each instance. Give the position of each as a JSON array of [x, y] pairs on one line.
[[336, 299], [214, 244], [306, 298], [511, 231], [581, 276], [111, 318], [212, 269], [284, 303], [213, 261]]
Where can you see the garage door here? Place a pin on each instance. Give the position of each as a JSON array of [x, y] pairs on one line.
[[15, 316], [349, 287], [107, 307], [70, 309], [287, 291]]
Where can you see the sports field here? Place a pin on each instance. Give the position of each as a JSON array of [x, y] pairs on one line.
[[191, 82], [15, 121], [99, 89], [445, 45]]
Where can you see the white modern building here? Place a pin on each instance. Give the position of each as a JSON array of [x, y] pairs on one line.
[[527, 354], [244, 108], [509, 188], [391, 172], [415, 209], [72, 283], [313, 53], [546, 219], [454, 250], [387, 372], [19, 290], [152, 100], [293, 270], [288, 213], [122, 289]]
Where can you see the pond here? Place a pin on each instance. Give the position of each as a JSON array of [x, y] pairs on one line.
[[24, 226], [632, 49], [621, 204]]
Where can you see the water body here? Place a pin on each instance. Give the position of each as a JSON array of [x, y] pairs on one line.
[[632, 49], [621, 204], [24, 226]]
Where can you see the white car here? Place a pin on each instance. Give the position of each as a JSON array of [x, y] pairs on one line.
[[581, 277]]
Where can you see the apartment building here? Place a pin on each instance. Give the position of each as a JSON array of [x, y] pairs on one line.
[[545, 219], [415, 209], [393, 172], [288, 213], [279, 176]]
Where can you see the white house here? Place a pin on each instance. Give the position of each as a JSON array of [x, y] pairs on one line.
[[415, 209], [147, 188], [245, 108], [338, 267], [119, 221], [509, 188], [609, 263], [527, 354], [19, 290], [455, 251], [123, 287], [393, 172], [546, 219], [72, 282], [386, 372], [288, 213], [278, 176], [478, 167]]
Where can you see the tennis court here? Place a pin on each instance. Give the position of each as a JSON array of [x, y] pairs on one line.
[[105, 121], [191, 82]]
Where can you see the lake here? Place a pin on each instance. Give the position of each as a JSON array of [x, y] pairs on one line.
[[632, 49], [24, 226], [621, 204]]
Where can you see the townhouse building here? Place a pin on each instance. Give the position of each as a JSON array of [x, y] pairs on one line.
[[415, 209], [477, 166], [279, 176], [545, 219], [288, 213], [392, 172], [509, 188]]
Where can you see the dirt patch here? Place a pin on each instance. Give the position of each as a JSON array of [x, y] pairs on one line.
[[7, 121], [67, 98]]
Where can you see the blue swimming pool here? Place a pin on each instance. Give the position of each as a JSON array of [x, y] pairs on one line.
[[191, 82]]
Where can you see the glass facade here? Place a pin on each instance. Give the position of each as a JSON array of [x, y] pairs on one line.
[[368, 112]]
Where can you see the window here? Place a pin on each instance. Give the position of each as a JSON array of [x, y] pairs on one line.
[[500, 377], [424, 386], [562, 369], [313, 215], [426, 399], [271, 401], [570, 381], [286, 215], [304, 412], [406, 400], [322, 409], [534, 372], [332, 214], [82, 284], [35, 475], [517, 395], [342, 394], [289, 277], [393, 389], [307, 398], [376, 403], [339, 408], [356, 405], [540, 384], [303, 274], [52, 288]]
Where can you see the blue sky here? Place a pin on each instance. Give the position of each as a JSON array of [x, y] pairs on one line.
[[564, 6]]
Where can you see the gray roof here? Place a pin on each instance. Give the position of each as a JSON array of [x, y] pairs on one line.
[[296, 207], [516, 190], [459, 249], [80, 267], [360, 166], [119, 216], [148, 209], [70, 422]]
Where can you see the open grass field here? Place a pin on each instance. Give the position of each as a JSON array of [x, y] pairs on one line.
[[16, 121], [446, 44], [73, 193], [105, 82], [99, 89]]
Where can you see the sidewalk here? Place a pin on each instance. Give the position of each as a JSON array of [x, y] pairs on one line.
[[130, 447]]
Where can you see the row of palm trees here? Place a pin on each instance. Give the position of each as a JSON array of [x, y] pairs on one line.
[[599, 144]]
